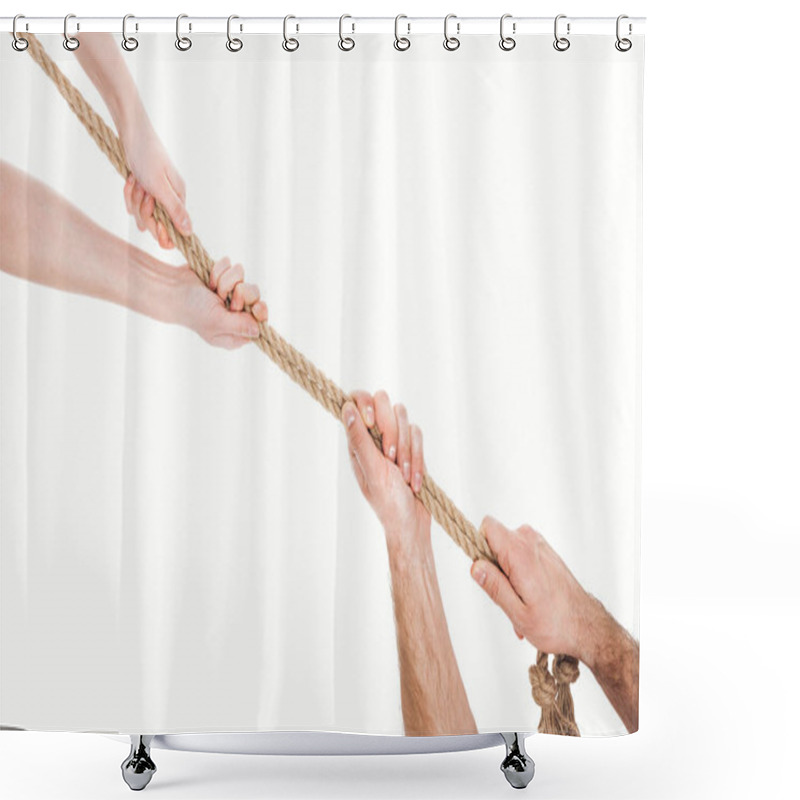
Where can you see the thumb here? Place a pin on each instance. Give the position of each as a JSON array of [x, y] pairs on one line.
[[174, 207], [495, 583], [176, 181], [359, 440], [240, 324]]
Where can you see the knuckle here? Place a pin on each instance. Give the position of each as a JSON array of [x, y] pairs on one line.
[[527, 532]]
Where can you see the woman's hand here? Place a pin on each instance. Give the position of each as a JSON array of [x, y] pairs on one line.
[[153, 177], [204, 309], [389, 481]]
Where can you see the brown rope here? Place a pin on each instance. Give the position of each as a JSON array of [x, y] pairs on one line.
[[557, 716]]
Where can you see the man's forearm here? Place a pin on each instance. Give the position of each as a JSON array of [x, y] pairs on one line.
[[432, 693], [613, 656], [47, 240]]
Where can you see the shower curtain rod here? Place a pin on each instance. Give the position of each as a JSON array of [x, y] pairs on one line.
[[323, 25]]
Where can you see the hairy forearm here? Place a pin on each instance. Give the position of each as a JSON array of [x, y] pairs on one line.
[[433, 698], [47, 240], [612, 654], [102, 59]]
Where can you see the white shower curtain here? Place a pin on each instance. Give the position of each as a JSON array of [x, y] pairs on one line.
[[184, 545]]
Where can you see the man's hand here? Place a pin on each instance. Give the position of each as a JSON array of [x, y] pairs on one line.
[[390, 481], [432, 693], [545, 603], [204, 311], [548, 607]]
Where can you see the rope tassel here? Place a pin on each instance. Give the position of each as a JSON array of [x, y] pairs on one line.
[[551, 693]]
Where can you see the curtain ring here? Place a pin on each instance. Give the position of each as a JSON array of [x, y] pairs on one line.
[[233, 44], [561, 43], [450, 42], [18, 43], [506, 42], [289, 44], [70, 42], [183, 43], [346, 43], [623, 45], [401, 43], [129, 43]]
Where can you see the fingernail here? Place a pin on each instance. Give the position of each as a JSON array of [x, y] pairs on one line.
[[349, 415], [417, 481], [370, 415], [479, 574], [406, 471], [392, 452], [186, 225]]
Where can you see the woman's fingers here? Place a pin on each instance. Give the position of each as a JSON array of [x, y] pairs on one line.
[[259, 311], [146, 212], [366, 406], [136, 202], [127, 193], [417, 458], [248, 294], [244, 294], [216, 271], [163, 237], [403, 442], [142, 205], [387, 424], [228, 280]]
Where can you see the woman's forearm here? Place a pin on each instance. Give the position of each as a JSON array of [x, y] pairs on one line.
[[433, 697], [102, 59], [47, 240]]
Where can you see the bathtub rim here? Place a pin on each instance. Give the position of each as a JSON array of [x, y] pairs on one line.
[[321, 743]]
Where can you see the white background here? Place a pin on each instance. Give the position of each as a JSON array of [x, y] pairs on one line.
[[720, 441]]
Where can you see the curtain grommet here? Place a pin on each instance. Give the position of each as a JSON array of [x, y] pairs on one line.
[[289, 44], [71, 43], [18, 42], [233, 44], [129, 43], [561, 43], [507, 43], [346, 43], [623, 44], [401, 43], [183, 43], [451, 43]]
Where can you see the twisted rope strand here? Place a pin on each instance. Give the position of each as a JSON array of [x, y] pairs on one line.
[[545, 687]]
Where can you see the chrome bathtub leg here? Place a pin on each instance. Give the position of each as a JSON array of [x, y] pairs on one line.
[[138, 768], [517, 766]]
